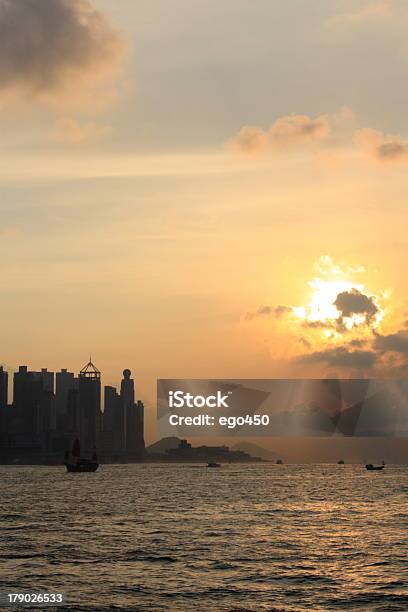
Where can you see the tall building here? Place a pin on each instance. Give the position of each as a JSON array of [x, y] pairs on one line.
[[33, 407], [140, 443], [65, 381], [47, 379], [3, 388], [89, 401], [114, 440], [27, 390], [133, 417], [3, 406], [127, 393]]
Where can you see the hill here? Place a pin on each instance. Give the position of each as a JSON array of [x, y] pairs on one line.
[[256, 451]]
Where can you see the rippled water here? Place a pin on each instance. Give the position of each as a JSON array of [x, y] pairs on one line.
[[182, 537]]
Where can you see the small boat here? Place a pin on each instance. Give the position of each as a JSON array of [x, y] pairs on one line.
[[279, 462], [213, 464], [340, 462], [75, 464], [374, 468], [83, 465]]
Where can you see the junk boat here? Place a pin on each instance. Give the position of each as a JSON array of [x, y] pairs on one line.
[[76, 464]]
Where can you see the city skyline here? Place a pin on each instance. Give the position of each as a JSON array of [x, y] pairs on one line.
[[50, 411]]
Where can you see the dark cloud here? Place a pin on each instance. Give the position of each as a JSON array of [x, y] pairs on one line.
[[316, 324], [392, 150], [397, 342], [47, 46], [387, 148], [340, 357], [354, 302], [269, 311]]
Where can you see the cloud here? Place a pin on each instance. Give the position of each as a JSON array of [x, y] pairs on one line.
[[340, 357], [370, 11], [53, 49], [70, 131], [385, 148], [353, 302], [326, 266], [316, 324], [289, 131], [269, 311], [397, 343]]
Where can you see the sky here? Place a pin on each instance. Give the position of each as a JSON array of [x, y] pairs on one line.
[[204, 189]]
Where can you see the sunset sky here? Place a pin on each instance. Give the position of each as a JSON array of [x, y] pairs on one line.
[[204, 188]]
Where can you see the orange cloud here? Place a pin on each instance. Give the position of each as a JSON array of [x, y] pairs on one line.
[[289, 131], [382, 147], [70, 131]]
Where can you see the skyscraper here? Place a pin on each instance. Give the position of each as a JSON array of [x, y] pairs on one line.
[[134, 417], [114, 442], [89, 399], [65, 381], [3, 388], [3, 406]]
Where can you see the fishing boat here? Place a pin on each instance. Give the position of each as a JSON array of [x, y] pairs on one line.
[[77, 464], [213, 464], [375, 468]]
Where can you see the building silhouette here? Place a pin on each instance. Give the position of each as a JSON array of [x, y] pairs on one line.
[[44, 418], [114, 429], [3, 388], [89, 401], [3, 405], [64, 382], [123, 421]]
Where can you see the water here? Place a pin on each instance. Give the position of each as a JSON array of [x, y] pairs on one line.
[[182, 537]]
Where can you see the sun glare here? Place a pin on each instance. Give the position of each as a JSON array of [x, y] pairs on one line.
[[322, 309]]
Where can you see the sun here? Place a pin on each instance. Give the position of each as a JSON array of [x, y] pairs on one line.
[[322, 311], [321, 306]]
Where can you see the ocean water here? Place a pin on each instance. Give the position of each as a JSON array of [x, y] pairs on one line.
[[182, 537]]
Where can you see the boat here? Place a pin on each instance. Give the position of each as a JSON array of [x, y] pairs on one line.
[[213, 464], [279, 462], [374, 468], [340, 462], [76, 464]]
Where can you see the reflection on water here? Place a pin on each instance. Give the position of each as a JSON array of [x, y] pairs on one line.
[[180, 537]]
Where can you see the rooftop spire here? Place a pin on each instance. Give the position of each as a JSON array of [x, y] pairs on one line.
[[90, 370]]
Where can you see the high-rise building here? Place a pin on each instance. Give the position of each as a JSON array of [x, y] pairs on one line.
[[3, 388], [33, 411], [114, 441], [65, 381], [89, 400], [127, 393], [140, 443], [27, 390], [134, 417], [3, 406], [47, 379]]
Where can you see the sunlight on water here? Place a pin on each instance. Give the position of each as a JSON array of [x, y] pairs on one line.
[[180, 537]]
